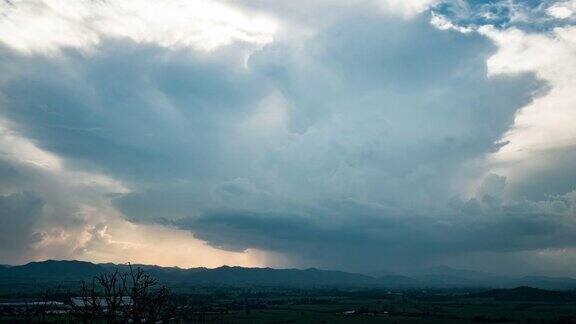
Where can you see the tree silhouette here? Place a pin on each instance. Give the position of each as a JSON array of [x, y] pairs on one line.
[[131, 296]]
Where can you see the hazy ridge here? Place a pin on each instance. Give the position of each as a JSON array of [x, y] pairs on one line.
[[442, 277]]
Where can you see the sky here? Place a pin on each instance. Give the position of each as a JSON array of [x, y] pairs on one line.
[[362, 135]]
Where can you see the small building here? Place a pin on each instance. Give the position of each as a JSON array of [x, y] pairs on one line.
[[81, 302]]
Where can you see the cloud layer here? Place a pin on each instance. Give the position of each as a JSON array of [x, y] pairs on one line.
[[394, 135]]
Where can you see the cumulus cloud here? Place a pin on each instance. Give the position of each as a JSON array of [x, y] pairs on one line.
[[562, 9], [540, 143]]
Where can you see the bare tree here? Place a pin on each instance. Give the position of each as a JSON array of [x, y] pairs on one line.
[[122, 297], [148, 297], [112, 293], [88, 307]]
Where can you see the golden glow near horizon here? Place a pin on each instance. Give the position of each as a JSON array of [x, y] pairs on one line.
[[142, 244], [159, 245], [100, 233]]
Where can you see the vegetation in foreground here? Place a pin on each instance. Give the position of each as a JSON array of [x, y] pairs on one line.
[[133, 296]]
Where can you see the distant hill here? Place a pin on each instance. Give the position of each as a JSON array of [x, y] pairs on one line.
[[461, 273], [441, 277], [398, 281], [78, 270], [227, 275], [451, 277], [527, 294], [546, 282], [52, 270], [269, 276]]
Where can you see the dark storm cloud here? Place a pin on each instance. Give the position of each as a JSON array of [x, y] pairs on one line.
[[551, 173], [369, 118], [19, 213], [133, 110], [350, 236]]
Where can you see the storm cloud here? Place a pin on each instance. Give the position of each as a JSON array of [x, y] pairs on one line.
[[377, 131], [21, 212]]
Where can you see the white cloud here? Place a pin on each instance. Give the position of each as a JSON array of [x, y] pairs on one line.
[[31, 26], [548, 122], [444, 23], [562, 10], [407, 8]]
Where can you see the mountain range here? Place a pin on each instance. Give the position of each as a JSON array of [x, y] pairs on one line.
[[440, 277]]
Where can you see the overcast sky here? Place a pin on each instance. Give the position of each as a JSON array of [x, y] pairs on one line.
[[356, 135]]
